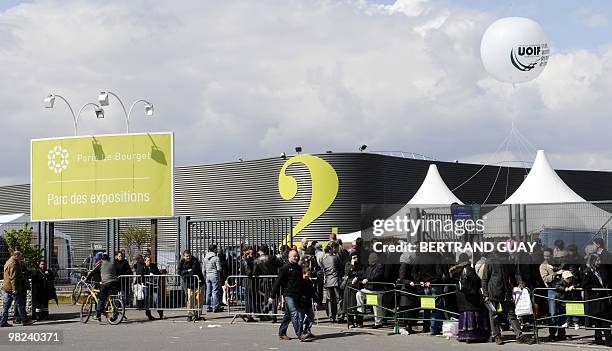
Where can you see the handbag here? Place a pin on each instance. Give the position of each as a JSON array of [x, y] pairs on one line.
[[139, 292], [522, 302]]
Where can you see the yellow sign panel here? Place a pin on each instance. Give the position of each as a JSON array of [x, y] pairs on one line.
[[574, 308], [105, 176], [372, 299], [428, 302]]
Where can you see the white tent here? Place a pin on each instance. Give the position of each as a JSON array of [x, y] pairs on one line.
[[543, 185], [549, 202], [434, 191], [349, 237], [14, 218]]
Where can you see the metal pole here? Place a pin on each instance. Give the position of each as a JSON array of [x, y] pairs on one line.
[[525, 221], [50, 245], [154, 229], [129, 114], [76, 120]]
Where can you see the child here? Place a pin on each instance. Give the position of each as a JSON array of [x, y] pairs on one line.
[[566, 292], [306, 303]]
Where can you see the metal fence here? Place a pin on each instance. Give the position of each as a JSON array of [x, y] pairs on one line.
[[392, 303], [247, 297], [162, 292], [585, 308], [233, 235]]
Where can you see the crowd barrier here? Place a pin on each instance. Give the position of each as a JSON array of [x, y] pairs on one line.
[[393, 302], [424, 304], [247, 297], [162, 292], [578, 312], [381, 298]]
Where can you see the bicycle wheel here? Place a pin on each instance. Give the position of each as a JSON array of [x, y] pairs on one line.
[[114, 311], [76, 293], [86, 308]]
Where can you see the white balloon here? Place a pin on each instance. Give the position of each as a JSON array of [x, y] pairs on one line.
[[514, 49]]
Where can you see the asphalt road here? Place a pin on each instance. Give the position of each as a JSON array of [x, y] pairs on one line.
[[218, 334]]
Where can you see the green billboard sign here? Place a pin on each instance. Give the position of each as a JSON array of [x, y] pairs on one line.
[[105, 176]]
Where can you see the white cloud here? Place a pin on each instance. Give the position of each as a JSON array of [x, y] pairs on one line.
[[595, 20], [569, 80], [252, 79]]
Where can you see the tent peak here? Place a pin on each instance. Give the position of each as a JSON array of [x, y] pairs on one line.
[[434, 190], [543, 185]]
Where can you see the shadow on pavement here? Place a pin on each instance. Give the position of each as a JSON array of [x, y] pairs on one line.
[[340, 335]]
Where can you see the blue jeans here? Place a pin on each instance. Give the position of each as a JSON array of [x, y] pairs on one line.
[[212, 293], [436, 326], [291, 314], [19, 307], [554, 309]]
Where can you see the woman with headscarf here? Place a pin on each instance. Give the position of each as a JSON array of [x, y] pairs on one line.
[[473, 316], [43, 290]]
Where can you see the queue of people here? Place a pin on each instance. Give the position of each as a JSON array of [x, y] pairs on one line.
[[483, 292]]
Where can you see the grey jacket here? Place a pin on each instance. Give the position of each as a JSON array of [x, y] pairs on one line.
[[108, 273], [331, 268], [212, 265]]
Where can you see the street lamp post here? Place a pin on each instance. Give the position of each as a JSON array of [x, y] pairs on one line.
[[50, 101], [148, 107]]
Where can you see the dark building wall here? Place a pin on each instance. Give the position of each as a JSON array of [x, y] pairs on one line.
[[250, 188]]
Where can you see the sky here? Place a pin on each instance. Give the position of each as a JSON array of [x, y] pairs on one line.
[[252, 79]]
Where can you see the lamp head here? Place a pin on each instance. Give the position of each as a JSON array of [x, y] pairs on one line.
[[49, 101], [99, 112], [103, 98], [148, 109]]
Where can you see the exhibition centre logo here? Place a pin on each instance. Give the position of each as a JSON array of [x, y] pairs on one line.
[[527, 57], [58, 159]]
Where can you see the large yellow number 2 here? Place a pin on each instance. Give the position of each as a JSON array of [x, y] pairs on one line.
[[324, 188]]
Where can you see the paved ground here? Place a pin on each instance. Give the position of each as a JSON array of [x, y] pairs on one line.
[[218, 334]]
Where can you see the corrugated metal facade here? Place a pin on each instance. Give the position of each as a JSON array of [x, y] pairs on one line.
[[250, 189]]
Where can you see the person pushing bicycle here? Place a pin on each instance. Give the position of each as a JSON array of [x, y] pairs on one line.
[[108, 280]]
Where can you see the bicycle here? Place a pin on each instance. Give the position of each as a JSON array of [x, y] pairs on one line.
[[114, 309], [78, 290]]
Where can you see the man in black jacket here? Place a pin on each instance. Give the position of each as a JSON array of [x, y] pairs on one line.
[[500, 278], [291, 279], [122, 266], [374, 273], [266, 265], [247, 269], [189, 268], [406, 296]]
